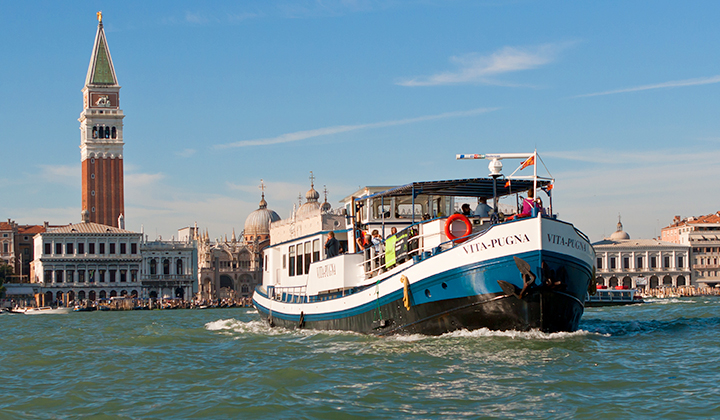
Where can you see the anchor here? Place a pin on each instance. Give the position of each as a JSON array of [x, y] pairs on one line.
[[528, 280]]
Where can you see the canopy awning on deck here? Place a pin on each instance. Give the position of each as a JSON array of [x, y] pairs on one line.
[[472, 187]]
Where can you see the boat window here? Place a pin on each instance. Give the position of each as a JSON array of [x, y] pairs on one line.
[[406, 210], [284, 261], [316, 250], [291, 265], [308, 259], [380, 209], [299, 261]]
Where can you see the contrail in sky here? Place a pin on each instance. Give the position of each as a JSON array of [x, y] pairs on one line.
[[326, 131], [675, 83]]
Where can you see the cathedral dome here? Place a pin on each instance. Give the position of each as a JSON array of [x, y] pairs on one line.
[[311, 205], [619, 234], [258, 222]]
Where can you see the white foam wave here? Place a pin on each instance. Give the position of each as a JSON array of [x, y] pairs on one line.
[[526, 335], [665, 301]]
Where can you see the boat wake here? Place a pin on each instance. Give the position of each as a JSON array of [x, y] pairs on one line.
[[485, 332]]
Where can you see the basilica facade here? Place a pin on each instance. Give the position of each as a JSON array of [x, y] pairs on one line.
[[231, 268]]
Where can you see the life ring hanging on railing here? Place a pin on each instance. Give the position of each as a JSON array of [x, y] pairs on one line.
[[468, 228]]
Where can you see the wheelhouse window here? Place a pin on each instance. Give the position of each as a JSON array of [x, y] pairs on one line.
[[316, 250], [308, 256], [291, 261], [299, 265]]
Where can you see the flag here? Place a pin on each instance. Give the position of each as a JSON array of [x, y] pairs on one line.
[[548, 188], [528, 162], [507, 184]]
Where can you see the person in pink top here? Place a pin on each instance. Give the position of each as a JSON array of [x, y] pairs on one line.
[[529, 203]]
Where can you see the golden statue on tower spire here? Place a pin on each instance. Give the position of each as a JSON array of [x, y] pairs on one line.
[[99, 15]]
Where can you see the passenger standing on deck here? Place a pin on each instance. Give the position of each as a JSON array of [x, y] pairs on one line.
[[332, 246], [376, 240], [531, 203]]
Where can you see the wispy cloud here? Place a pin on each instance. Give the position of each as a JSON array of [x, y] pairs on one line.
[[186, 153], [476, 69], [68, 175], [326, 131], [672, 84], [201, 18]]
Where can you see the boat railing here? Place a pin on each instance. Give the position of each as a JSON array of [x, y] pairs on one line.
[[411, 243], [288, 294]]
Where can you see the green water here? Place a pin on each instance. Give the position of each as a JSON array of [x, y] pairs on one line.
[[660, 359]]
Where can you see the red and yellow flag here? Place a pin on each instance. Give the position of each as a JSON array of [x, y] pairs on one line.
[[528, 162]]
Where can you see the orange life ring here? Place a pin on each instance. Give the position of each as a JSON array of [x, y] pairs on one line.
[[468, 228]]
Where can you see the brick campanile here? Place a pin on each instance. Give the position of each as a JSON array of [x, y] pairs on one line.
[[101, 138]]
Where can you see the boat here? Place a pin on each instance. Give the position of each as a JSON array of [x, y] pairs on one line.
[[618, 296], [42, 310], [439, 272]]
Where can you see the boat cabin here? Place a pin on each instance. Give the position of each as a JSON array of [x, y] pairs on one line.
[[413, 222]]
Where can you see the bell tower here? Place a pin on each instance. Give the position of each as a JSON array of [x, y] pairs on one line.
[[101, 137]]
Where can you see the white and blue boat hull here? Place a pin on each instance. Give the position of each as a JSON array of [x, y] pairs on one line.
[[477, 284]]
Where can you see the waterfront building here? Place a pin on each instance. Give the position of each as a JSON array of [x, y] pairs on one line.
[[169, 268], [702, 234], [652, 263], [101, 138], [16, 247], [86, 261], [230, 269]]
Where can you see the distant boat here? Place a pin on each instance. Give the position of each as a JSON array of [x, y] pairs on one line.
[[614, 297], [42, 310]]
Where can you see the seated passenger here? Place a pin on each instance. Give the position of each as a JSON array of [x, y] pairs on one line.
[[483, 209], [466, 210]]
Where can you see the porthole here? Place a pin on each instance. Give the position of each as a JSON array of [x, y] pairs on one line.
[[444, 285], [427, 292]]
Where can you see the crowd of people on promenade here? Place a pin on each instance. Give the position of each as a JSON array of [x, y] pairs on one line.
[[681, 291], [130, 303]]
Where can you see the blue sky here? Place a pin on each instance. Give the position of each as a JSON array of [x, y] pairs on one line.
[[619, 97]]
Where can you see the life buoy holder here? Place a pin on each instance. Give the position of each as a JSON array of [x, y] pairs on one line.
[[468, 228]]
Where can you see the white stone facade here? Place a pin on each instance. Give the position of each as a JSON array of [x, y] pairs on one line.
[[642, 263], [169, 269], [86, 261]]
